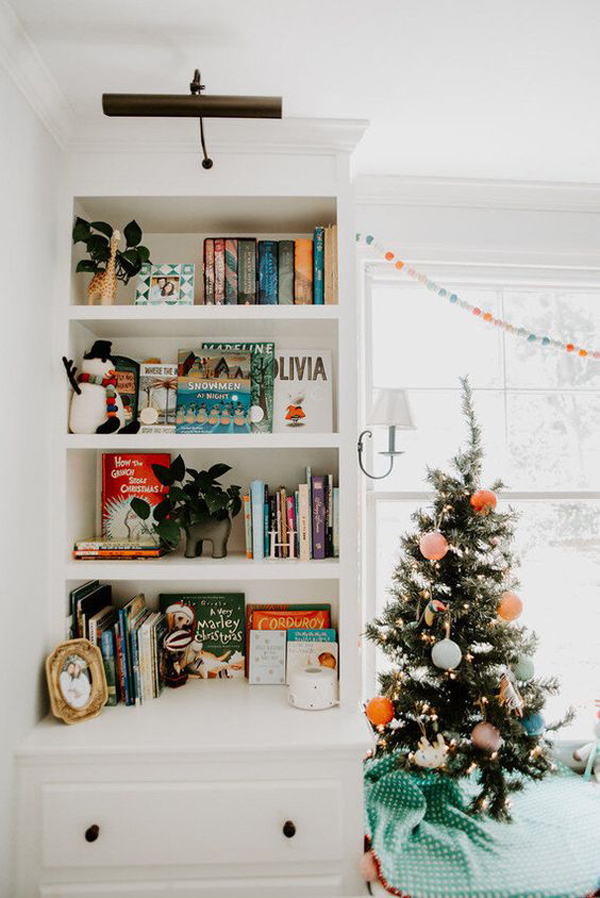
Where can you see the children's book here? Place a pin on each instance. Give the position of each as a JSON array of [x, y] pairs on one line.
[[108, 658], [303, 391], [285, 616], [157, 398], [217, 623], [127, 614], [246, 271], [319, 266], [209, 271], [267, 657], [214, 392], [303, 271], [262, 369], [267, 272], [127, 475], [310, 648], [128, 378], [78, 593], [89, 605], [231, 271], [319, 516], [286, 249]]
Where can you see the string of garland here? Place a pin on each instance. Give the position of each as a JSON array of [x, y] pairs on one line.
[[543, 342]]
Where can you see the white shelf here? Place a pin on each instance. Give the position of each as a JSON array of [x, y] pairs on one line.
[[175, 441], [216, 716], [166, 321], [177, 568]]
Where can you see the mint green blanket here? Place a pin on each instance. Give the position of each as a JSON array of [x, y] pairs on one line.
[[427, 846]]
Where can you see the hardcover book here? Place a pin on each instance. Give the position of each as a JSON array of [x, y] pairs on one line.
[[288, 616], [319, 266], [231, 271], [311, 653], [318, 517], [262, 371], [126, 475], [214, 392], [246, 271], [209, 271], [128, 378], [303, 271], [267, 272], [266, 665], [219, 271], [286, 249], [157, 399], [217, 622], [110, 669], [303, 391]]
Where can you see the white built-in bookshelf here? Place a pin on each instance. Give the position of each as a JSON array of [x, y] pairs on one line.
[[279, 196]]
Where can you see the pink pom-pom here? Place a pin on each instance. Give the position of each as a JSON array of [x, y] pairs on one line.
[[367, 867]]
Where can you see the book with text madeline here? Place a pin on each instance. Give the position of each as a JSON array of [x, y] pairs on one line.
[[262, 371], [302, 398], [128, 475], [214, 392], [217, 623]]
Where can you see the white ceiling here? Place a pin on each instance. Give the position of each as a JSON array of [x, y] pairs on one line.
[[453, 88]]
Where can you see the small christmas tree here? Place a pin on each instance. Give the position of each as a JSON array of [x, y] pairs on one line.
[[461, 698]]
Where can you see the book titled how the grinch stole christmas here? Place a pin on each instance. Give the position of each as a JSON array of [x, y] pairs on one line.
[[126, 476]]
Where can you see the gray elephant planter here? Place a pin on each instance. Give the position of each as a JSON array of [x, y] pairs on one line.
[[213, 530]]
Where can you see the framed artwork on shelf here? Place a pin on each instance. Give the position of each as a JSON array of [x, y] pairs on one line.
[[169, 283], [76, 680]]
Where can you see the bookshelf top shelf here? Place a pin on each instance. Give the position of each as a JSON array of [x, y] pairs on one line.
[[220, 716]]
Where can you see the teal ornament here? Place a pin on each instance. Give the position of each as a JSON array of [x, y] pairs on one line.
[[534, 725], [524, 669], [446, 654], [453, 297], [369, 238]]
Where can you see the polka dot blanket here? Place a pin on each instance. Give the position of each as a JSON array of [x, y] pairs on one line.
[[427, 846]]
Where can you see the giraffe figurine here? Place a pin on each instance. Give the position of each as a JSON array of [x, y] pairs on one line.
[[103, 285]]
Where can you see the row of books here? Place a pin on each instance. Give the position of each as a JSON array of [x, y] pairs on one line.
[[237, 387], [130, 639], [244, 271], [285, 638], [302, 524]]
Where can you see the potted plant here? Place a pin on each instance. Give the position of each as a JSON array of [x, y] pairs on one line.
[[196, 505], [106, 261]]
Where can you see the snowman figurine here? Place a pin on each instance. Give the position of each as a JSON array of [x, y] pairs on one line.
[[96, 406]]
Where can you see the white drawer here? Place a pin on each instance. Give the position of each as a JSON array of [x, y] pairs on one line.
[[272, 887], [190, 823]]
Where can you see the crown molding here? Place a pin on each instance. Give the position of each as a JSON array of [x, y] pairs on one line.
[[236, 136], [524, 196], [23, 63]]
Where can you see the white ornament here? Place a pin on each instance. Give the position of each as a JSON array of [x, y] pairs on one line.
[[446, 654], [431, 756]]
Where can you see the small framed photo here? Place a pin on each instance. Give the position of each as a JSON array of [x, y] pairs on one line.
[[167, 284], [76, 680]]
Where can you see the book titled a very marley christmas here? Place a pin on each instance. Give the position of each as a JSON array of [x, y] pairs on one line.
[[217, 622], [214, 392], [303, 391], [127, 475]]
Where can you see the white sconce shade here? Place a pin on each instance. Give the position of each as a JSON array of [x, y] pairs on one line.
[[391, 409]]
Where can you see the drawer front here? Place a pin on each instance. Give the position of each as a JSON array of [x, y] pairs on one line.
[[276, 887], [190, 823]]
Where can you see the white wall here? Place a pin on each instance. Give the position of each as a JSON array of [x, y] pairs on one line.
[[31, 177]]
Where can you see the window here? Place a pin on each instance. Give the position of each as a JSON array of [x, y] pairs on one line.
[[540, 414]]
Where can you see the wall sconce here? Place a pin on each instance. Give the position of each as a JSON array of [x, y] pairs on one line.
[[389, 408]]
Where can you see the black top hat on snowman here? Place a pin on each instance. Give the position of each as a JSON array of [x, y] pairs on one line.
[[100, 350]]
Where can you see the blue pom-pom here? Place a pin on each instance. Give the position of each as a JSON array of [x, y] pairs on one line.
[[453, 297], [369, 238]]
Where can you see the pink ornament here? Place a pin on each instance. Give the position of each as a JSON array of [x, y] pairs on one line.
[[367, 867], [433, 545], [486, 737]]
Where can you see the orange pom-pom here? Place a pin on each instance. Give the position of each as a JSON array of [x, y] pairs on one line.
[[389, 256], [399, 265], [483, 501], [380, 710], [510, 606]]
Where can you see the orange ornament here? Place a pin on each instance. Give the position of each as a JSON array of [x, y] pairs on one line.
[[510, 606], [380, 710], [483, 501]]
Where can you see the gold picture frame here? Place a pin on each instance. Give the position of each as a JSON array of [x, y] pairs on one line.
[[76, 680]]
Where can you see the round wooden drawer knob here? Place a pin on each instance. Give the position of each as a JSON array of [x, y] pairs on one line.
[[92, 833], [289, 829]]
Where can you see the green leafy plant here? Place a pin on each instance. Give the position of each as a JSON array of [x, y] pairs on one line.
[[193, 496], [96, 236]]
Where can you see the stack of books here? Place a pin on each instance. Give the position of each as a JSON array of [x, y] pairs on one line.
[[298, 524], [99, 549], [246, 271]]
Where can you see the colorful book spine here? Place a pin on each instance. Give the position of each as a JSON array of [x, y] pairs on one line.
[[246, 272], [336, 522], [209, 271], [303, 519], [219, 271], [329, 509], [231, 271], [303, 274], [291, 525], [122, 647], [248, 525], [108, 658], [257, 494], [318, 517], [319, 266], [310, 523], [267, 272], [285, 250]]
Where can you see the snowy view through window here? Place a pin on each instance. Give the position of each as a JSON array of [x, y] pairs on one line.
[[540, 414]]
